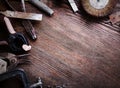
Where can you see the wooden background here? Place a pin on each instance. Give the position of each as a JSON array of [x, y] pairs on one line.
[[70, 49]]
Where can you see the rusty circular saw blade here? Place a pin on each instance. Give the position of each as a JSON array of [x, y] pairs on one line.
[[101, 12]]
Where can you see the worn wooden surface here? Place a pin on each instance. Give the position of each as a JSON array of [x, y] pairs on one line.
[[73, 51]]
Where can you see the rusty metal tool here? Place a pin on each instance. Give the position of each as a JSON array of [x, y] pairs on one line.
[[14, 60], [99, 8], [73, 5], [26, 23], [16, 41], [16, 78], [22, 15], [23, 6], [40, 5], [3, 66]]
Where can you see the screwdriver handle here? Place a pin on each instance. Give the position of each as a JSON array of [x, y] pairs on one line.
[[29, 29], [42, 6]]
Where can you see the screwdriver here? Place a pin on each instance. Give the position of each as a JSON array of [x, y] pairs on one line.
[[73, 5]]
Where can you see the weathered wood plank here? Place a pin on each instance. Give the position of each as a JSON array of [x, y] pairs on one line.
[[73, 51]]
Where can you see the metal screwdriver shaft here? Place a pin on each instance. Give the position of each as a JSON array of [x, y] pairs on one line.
[[73, 5]]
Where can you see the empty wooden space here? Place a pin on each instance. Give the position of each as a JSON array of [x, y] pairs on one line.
[[72, 51]]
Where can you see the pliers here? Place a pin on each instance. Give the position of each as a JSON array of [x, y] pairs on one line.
[[14, 60]]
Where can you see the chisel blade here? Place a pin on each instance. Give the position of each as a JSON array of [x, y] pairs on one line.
[[22, 15]]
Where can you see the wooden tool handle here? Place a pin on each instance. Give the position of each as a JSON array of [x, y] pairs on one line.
[[9, 26], [29, 29], [42, 6]]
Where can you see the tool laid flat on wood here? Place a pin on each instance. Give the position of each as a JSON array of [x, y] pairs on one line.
[[14, 79], [73, 5], [99, 8], [16, 41], [26, 23], [29, 29], [15, 60], [22, 15], [11, 61], [40, 5]]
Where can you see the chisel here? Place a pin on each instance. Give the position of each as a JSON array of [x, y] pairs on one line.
[[28, 25], [22, 15], [73, 5]]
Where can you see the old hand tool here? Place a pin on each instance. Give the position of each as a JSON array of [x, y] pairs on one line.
[[40, 5], [99, 8], [3, 65], [73, 5], [29, 29], [17, 42], [14, 79], [15, 60], [26, 23], [11, 61], [22, 15]]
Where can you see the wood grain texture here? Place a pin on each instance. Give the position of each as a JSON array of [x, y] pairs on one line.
[[73, 51]]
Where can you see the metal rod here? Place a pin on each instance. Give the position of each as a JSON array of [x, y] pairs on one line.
[[73, 5], [23, 5]]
